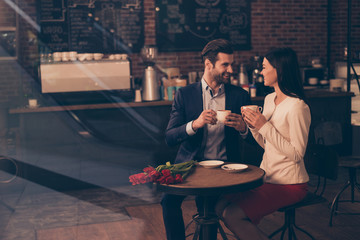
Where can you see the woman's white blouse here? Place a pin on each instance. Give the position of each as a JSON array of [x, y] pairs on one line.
[[284, 138]]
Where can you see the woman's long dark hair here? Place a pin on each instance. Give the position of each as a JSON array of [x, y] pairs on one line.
[[285, 61]]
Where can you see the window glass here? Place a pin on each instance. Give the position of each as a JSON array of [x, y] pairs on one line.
[[7, 44]]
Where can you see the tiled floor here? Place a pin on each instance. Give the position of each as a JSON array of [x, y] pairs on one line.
[[48, 190], [45, 204], [37, 207]]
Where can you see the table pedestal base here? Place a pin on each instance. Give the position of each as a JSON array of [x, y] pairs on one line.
[[205, 223]]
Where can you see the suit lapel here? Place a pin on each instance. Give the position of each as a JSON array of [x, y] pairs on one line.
[[199, 99], [227, 97]]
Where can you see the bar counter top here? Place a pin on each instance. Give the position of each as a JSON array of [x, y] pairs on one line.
[[89, 107], [309, 93]]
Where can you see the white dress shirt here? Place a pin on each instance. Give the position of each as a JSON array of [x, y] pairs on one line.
[[213, 134]]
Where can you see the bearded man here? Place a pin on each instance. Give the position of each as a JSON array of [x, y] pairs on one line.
[[193, 125]]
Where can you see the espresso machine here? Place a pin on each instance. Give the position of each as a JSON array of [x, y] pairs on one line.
[[150, 85]]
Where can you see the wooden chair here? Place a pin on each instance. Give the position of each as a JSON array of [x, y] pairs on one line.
[[322, 162]]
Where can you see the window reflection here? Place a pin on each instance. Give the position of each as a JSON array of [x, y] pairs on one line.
[[7, 44]]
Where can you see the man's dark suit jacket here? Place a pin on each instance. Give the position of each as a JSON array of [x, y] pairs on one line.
[[187, 106]]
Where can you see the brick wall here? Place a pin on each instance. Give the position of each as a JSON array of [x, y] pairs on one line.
[[300, 24], [274, 23], [7, 16], [339, 28], [17, 77], [28, 51]]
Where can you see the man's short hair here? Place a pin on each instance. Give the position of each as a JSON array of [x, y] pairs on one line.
[[212, 49]]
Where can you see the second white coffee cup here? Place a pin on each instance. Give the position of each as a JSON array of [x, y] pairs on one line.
[[252, 107], [222, 114]]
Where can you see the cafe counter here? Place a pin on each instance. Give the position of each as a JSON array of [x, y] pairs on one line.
[[141, 125]]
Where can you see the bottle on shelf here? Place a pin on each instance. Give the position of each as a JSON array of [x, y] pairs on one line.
[[257, 78], [197, 79], [234, 81], [255, 65], [246, 87], [243, 76], [260, 88], [253, 90]]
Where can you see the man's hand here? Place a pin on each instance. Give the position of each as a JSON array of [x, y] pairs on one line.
[[206, 117], [236, 121]]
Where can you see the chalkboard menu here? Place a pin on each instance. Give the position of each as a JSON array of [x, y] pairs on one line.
[[106, 26], [189, 25]]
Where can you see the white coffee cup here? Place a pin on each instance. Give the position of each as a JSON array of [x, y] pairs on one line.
[[57, 56], [65, 56], [137, 95], [33, 103], [123, 56], [73, 56], [252, 107], [313, 81], [98, 56], [221, 115], [81, 56]]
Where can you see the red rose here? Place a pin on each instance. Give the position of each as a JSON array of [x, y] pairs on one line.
[[154, 175], [148, 170], [169, 179], [132, 180], [148, 178], [163, 174], [143, 178], [166, 172], [135, 179], [161, 179], [178, 178]]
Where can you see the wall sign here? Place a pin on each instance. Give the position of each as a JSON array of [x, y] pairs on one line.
[[188, 25], [106, 26]]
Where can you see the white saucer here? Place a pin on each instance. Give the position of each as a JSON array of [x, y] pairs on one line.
[[234, 167], [211, 163]]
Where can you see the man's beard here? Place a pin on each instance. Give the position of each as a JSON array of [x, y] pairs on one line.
[[220, 78]]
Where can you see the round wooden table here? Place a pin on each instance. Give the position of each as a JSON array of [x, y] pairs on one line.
[[209, 182]]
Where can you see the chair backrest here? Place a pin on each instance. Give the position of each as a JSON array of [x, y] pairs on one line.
[[321, 161], [8, 169], [328, 133]]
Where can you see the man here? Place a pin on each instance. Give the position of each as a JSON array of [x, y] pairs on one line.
[[194, 126]]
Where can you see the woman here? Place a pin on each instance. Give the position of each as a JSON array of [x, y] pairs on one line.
[[282, 130]]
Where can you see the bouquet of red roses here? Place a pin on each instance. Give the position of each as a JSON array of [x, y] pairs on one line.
[[164, 174]]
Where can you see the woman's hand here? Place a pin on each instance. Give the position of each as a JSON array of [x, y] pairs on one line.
[[236, 121], [253, 119]]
